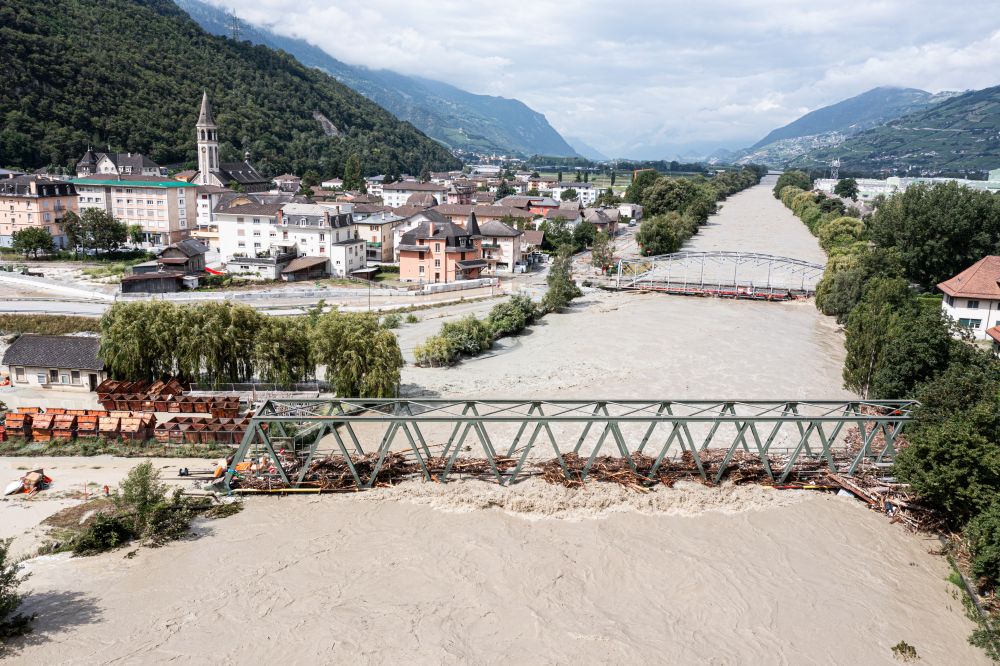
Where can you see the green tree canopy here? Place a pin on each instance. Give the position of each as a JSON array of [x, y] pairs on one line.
[[562, 289], [847, 188], [938, 230], [32, 240], [362, 359], [799, 179]]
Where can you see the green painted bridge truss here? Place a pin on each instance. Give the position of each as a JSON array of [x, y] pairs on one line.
[[522, 430]]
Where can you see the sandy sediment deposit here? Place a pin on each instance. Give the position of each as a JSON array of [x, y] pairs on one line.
[[414, 575]]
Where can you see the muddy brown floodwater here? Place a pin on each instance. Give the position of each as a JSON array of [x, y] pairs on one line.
[[631, 345], [471, 572]]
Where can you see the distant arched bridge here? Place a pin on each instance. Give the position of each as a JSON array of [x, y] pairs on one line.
[[746, 275]]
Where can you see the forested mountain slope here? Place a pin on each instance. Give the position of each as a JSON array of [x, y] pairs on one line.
[[130, 73]]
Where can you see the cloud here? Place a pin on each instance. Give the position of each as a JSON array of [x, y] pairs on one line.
[[653, 78]]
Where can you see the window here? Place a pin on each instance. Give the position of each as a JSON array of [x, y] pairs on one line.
[[322, 237], [54, 376], [437, 247], [437, 263], [75, 376], [19, 374], [970, 323], [421, 270], [65, 379], [256, 220], [950, 301], [41, 379], [973, 305]]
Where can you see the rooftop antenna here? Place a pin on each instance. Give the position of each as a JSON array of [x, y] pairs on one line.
[[234, 25]]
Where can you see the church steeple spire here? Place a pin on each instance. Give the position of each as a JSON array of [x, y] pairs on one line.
[[205, 118], [208, 143]]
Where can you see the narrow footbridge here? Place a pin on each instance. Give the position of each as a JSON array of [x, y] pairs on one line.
[[506, 437], [745, 275]]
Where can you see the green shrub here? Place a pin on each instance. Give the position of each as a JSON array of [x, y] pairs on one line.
[[392, 320], [506, 319], [12, 623], [469, 335], [138, 495], [524, 303], [983, 533], [412, 318], [435, 352], [953, 467], [105, 533]]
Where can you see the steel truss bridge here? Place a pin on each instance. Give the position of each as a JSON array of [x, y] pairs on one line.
[[744, 275], [524, 429]]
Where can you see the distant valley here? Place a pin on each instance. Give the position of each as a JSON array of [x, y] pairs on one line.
[[458, 119]]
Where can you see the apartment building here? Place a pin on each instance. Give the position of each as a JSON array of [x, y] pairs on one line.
[[166, 210], [376, 231], [35, 201], [441, 252], [263, 238], [397, 194]]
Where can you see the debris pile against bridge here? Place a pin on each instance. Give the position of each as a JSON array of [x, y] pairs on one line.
[[337, 444], [638, 471]]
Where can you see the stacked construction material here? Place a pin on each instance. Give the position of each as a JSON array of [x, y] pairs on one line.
[[64, 426], [166, 396], [137, 427], [18, 424], [41, 427], [202, 430], [87, 422]]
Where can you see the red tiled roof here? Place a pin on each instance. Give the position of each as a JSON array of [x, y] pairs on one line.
[[977, 281], [994, 333]]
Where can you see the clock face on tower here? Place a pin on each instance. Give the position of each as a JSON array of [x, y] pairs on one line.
[[204, 149]]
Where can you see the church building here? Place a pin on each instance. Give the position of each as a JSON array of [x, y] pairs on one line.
[[222, 174]]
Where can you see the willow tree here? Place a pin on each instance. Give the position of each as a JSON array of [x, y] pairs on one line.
[[139, 340], [282, 352], [228, 333], [362, 359]]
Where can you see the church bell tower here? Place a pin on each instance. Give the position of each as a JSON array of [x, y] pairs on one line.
[[208, 143]]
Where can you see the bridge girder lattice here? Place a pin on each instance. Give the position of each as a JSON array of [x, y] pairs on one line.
[[512, 430], [744, 273]]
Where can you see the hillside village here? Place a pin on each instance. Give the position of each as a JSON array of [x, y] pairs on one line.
[[492, 220]]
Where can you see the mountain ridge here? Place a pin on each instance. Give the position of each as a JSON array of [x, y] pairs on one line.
[[457, 118], [959, 135], [831, 125], [71, 92]]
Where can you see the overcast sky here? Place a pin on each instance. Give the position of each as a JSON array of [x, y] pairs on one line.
[[654, 78]]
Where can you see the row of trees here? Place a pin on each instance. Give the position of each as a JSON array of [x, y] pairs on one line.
[[676, 207], [95, 229], [900, 345], [472, 336], [234, 343]]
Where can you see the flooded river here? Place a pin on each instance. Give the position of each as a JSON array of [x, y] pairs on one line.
[[632, 345], [471, 572]]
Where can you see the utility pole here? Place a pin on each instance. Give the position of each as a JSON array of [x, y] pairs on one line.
[[234, 25]]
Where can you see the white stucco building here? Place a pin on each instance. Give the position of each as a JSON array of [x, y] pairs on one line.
[[395, 195], [586, 192], [972, 298]]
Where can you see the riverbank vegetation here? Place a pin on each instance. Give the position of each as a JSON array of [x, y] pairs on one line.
[[879, 279], [142, 511], [234, 343], [472, 336], [15, 324], [12, 622], [675, 208]]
